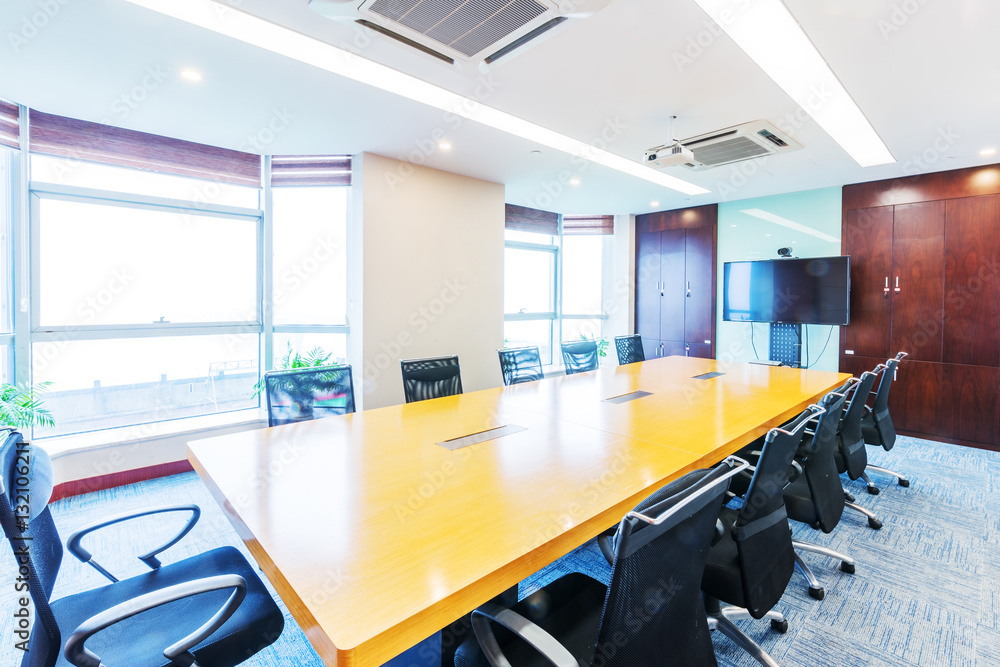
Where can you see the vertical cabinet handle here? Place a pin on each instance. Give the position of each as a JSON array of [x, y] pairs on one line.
[[687, 348], [689, 288], [886, 290], [897, 284]]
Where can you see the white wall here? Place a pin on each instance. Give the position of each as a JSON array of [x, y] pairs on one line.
[[427, 279], [620, 303]]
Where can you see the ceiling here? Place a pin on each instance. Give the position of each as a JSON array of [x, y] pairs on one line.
[[929, 82]]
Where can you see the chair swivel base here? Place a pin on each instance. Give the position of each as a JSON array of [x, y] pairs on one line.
[[873, 521], [815, 589], [900, 479], [721, 618]]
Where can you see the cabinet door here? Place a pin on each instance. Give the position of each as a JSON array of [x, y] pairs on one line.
[[918, 280], [917, 402], [971, 392], [699, 315], [651, 347], [647, 288], [703, 350], [972, 281], [672, 269], [672, 348], [868, 240]]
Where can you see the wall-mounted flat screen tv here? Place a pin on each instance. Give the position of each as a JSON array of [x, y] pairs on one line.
[[814, 290]]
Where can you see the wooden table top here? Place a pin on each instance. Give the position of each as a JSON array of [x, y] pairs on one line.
[[376, 537]]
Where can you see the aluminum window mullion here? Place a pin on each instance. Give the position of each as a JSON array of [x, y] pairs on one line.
[[20, 237], [6, 339], [265, 265], [313, 328], [521, 245], [67, 334], [111, 198]]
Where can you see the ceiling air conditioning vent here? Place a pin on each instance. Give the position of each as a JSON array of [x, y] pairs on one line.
[[734, 144], [470, 34]]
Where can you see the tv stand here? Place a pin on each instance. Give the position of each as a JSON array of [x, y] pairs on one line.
[[786, 344]]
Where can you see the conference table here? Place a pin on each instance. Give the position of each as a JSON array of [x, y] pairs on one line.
[[379, 528]]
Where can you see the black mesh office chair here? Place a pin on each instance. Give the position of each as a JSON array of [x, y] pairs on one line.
[[876, 424], [815, 495], [579, 356], [211, 608], [309, 393], [432, 377], [651, 614], [850, 455], [520, 364], [629, 349], [750, 565]]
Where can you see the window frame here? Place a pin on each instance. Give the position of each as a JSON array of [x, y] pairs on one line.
[[558, 317]]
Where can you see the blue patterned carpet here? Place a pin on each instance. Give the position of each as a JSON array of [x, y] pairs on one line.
[[926, 591]]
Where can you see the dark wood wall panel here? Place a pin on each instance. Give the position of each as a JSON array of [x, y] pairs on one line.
[[972, 281], [918, 272], [672, 268], [924, 187], [916, 401], [699, 313], [684, 218], [867, 238], [647, 279], [972, 396]]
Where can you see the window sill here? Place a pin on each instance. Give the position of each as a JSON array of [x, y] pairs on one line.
[[190, 426]]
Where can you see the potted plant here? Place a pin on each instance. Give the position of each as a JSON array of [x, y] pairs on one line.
[[602, 347], [21, 407]]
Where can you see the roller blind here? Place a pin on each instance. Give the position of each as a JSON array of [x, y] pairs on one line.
[[310, 170], [9, 124], [588, 224], [83, 140], [524, 219]]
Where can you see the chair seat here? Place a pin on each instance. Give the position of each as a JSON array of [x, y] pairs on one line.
[[722, 579], [569, 609], [140, 640]]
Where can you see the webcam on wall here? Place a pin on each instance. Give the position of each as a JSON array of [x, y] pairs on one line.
[[785, 252]]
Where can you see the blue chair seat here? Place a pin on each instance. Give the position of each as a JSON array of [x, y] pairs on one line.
[[140, 640]]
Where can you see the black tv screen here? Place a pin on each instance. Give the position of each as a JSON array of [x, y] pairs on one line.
[[813, 290]]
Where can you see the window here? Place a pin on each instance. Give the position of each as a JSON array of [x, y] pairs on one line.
[[7, 274], [554, 287]]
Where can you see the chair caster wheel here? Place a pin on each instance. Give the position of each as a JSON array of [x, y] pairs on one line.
[[874, 523], [849, 497], [817, 593], [873, 490], [904, 483], [815, 526], [846, 567], [780, 626]]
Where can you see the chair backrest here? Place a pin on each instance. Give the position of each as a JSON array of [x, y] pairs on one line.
[[763, 538], [38, 549], [309, 393], [433, 377], [520, 364], [629, 349], [850, 439], [658, 570], [579, 356], [819, 464], [880, 408]]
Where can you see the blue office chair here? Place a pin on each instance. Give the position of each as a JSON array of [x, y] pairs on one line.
[[520, 364], [211, 609], [579, 356], [433, 377], [308, 393], [629, 349]]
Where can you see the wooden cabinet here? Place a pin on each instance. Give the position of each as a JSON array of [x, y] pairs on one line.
[[934, 242], [675, 282]]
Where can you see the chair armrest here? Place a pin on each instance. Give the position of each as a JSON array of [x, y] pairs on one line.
[[80, 656], [540, 640], [74, 547]]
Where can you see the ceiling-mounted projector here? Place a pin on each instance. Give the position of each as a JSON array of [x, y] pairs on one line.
[[668, 156], [672, 154]]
